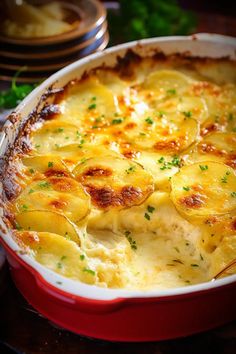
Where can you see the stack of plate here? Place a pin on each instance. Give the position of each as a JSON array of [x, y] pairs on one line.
[[45, 55]]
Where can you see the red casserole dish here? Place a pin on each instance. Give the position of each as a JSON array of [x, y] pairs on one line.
[[111, 314]]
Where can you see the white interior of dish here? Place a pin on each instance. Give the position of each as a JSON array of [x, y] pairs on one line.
[[199, 45]]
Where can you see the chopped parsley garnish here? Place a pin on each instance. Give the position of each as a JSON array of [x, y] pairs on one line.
[[131, 169], [98, 119], [63, 257], [59, 265], [90, 271], [142, 134], [37, 146], [131, 241], [31, 170], [149, 120], [203, 167], [82, 257], [24, 207], [224, 179], [44, 184], [186, 189], [175, 162], [233, 194], [188, 114], [16, 93], [171, 91], [92, 106], [31, 191], [50, 164], [150, 209], [94, 98], [60, 130], [82, 141], [95, 127], [147, 216], [117, 121]]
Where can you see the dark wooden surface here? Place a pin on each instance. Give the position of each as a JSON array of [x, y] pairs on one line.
[[23, 330]]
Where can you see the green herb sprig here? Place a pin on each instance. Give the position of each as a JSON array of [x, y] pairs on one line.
[[16, 93]]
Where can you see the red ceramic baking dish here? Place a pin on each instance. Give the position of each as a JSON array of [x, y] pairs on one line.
[[116, 314]]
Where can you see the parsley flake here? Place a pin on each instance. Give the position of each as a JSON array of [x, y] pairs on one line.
[[131, 241], [44, 184], [203, 167], [233, 194], [147, 216], [131, 169], [50, 164], [150, 209], [149, 120], [90, 271], [188, 114], [60, 130], [171, 91], [92, 106], [117, 121], [186, 189]]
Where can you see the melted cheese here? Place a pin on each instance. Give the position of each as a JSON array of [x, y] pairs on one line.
[[132, 184]]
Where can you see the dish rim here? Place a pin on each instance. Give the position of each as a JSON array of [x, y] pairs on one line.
[[66, 36], [76, 288]]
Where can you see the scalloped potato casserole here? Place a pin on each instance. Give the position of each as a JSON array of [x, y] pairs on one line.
[[125, 178]]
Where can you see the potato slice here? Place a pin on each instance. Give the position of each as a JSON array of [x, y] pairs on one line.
[[168, 81], [225, 142], [59, 194], [48, 164], [161, 167], [163, 136], [204, 189], [58, 254], [55, 134], [114, 182], [184, 106], [217, 146], [52, 222], [88, 100]]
